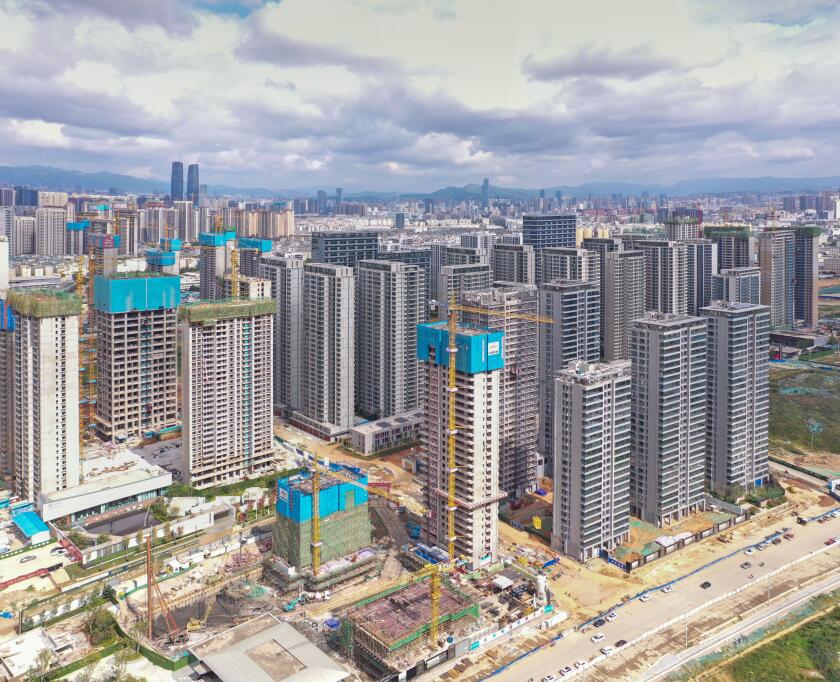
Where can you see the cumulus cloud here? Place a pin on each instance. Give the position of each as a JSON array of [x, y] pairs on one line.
[[414, 95]]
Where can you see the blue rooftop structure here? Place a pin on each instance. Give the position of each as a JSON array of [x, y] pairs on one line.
[[479, 350], [294, 494], [121, 294], [158, 257], [215, 238], [78, 226], [7, 317], [170, 244], [30, 524], [261, 245]]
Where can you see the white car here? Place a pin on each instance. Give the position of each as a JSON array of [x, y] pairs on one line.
[[611, 616], [748, 551], [565, 671], [668, 588], [597, 638], [645, 597], [607, 650], [580, 664], [549, 678]]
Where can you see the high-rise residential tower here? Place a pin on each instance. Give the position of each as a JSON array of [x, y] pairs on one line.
[[227, 375], [518, 383], [624, 301], [344, 248], [50, 231], [136, 353], [327, 368], [453, 280], [738, 404], [701, 266], [806, 274], [45, 392], [668, 416], [514, 263], [777, 260], [575, 335], [548, 230], [569, 263], [7, 329], [738, 285], [478, 362], [736, 247], [176, 184], [666, 275], [214, 262], [390, 303], [286, 277], [591, 458]]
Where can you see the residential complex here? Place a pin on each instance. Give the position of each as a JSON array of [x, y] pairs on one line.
[[738, 285], [514, 263], [776, 258], [344, 248], [569, 264], [666, 275], [624, 301]]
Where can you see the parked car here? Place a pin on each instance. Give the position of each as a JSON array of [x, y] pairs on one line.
[[597, 638], [607, 650], [620, 643], [645, 597], [580, 664], [549, 678], [748, 551], [668, 589], [599, 622], [706, 585], [788, 536], [830, 541], [611, 616], [566, 670], [28, 557], [777, 541], [746, 565]]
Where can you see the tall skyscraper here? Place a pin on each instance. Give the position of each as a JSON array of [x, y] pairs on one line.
[[45, 392], [514, 263], [50, 231], [591, 458], [624, 301], [738, 403], [485, 193], [777, 260], [737, 285], [518, 383], [390, 303], [806, 274], [575, 308], [136, 353], [214, 262], [478, 362], [7, 221], [344, 248], [546, 230], [227, 373], [701, 265], [339, 199], [193, 191], [668, 416], [176, 185], [327, 351], [569, 263], [666, 275], [286, 277]]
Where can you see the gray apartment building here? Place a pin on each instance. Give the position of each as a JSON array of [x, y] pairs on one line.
[[514, 263], [738, 285], [344, 248], [624, 301]]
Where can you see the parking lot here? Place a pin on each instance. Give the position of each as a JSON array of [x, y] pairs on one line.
[[166, 454]]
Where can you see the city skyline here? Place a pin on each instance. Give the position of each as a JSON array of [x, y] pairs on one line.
[[610, 100]]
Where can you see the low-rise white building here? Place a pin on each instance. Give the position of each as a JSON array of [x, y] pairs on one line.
[[390, 432]]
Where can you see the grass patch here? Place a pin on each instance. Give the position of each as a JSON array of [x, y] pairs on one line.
[[269, 481], [805, 654], [798, 400]]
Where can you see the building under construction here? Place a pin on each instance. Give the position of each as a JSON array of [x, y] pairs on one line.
[[344, 521], [388, 632]]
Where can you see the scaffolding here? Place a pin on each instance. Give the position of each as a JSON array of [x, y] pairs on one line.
[[210, 312], [44, 303]]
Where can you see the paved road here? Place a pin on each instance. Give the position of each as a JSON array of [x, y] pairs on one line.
[[636, 618], [671, 662]]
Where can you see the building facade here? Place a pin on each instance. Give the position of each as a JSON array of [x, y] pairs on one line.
[[701, 265], [569, 264], [777, 260], [668, 416], [227, 377], [624, 301], [806, 270], [737, 285], [514, 263], [666, 275], [344, 248], [591, 458], [136, 354]]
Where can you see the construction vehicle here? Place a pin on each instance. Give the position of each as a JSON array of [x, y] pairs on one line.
[[290, 606], [200, 624]]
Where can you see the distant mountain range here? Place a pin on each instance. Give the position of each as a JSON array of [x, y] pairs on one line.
[[48, 177]]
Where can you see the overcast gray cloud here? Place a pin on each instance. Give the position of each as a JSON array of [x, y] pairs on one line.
[[421, 94]]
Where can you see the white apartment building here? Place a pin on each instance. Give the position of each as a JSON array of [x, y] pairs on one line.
[[624, 300], [227, 354], [568, 263], [738, 285], [666, 274], [591, 458], [737, 419], [50, 231], [668, 460], [45, 392]]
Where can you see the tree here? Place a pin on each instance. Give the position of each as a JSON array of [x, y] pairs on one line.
[[101, 626], [41, 666], [120, 663], [138, 632], [86, 674], [102, 538], [138, 538]]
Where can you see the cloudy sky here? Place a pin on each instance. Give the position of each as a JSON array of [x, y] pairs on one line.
[[419, 94]]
